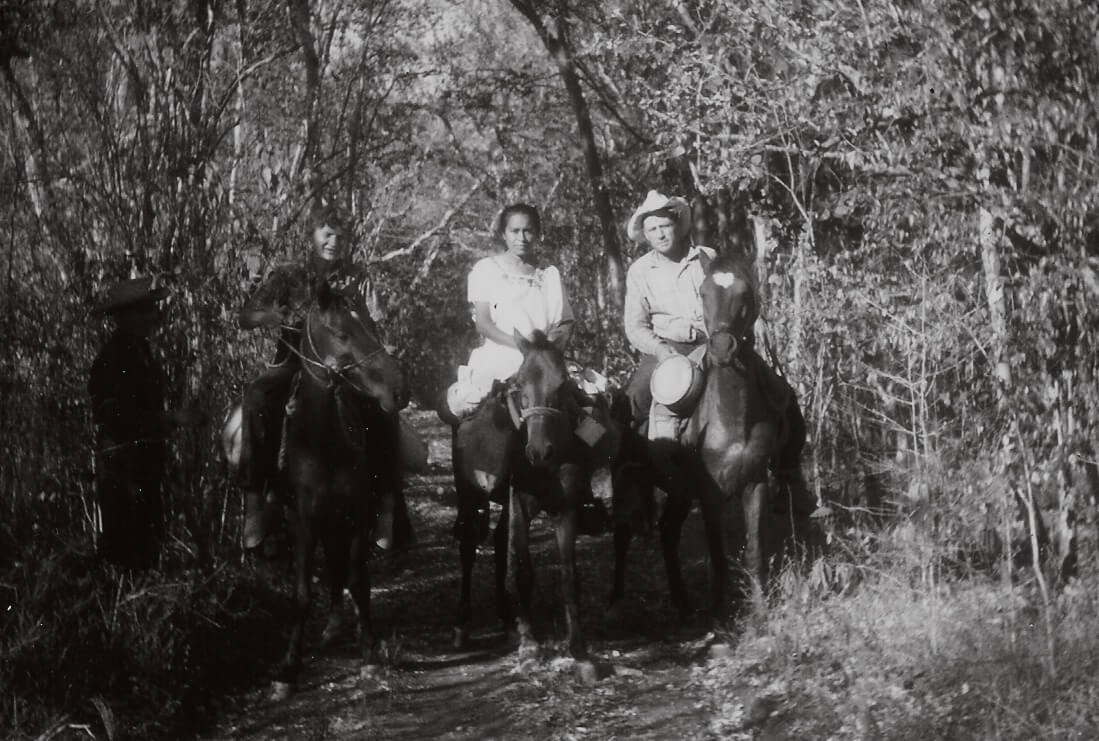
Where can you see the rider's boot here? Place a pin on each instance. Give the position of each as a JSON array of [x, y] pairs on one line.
[[261, 523], [383, 529], [255, 520]]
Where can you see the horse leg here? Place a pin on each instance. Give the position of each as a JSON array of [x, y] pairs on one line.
[[671, 527], [755, 562], [500, 556], [358, 584], [623, 534], [711, 519], [304, 544], [633, 497], [520, 574], [467, 554], [570, 581], [335, 559]]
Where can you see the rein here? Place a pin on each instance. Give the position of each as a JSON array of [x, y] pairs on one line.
[[340, 371]]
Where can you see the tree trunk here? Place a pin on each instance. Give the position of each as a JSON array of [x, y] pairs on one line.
[[557, 43], [238, 124], [994, 293], [300, 21]]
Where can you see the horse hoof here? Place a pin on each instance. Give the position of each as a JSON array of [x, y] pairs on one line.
[[614, 614], [528, 656], [331, 631], [461, 638], [587, 672], [280, 691], [369, 672]]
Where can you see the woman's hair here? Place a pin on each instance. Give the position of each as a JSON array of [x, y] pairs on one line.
[[327, 214], [501, 220]]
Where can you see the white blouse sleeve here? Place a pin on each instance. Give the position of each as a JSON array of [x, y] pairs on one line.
[[557, 300], [482, 281]]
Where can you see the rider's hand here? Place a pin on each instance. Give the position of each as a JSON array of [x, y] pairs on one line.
[[271, 318], [665, 351]]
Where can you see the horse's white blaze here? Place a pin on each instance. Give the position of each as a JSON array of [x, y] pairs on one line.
[[723, 279]]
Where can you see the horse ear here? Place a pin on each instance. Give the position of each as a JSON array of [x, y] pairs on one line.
[[521, 342], [559, 336]]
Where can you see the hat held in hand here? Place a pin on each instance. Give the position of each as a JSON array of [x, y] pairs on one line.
[[658, 204], [130, 293]]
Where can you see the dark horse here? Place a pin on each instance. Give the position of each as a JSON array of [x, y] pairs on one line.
[[521, 451], [745, 429], [340, 437]]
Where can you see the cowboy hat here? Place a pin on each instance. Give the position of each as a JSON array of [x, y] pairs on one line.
[[659, 204], [130, 293]]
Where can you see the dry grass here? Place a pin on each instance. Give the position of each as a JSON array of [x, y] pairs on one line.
[[864, 650]]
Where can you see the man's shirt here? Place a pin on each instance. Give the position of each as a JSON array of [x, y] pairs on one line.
[[662, 299]]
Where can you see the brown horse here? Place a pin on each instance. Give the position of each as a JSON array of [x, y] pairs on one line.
[[340, 442], [522, 451], [747, 427], [745, 431]]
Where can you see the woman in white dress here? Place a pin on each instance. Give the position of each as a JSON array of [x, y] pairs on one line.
[[509, 292]]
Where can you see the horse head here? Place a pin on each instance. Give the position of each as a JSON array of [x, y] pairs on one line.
[[541, 399], [343, 341], [729, 306]]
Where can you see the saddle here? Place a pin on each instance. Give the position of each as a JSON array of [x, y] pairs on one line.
[[776, 391], [484, 438]]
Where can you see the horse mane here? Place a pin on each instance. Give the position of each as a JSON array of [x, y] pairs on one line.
[[539, 340], [739, 264]]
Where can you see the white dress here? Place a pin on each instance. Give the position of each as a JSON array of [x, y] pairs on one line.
[[516, 302]]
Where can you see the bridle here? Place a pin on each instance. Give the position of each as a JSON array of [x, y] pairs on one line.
[[520, 416], [331, 372]]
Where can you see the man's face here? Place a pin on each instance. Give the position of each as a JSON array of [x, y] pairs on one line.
[[660, 233], [328, 242]]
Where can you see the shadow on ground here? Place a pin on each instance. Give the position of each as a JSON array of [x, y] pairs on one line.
[[649, 659]]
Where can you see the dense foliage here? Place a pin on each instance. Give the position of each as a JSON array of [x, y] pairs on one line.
[[925, 175]]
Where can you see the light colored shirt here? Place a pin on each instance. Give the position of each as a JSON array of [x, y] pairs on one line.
[[662, 300], [517, 301]]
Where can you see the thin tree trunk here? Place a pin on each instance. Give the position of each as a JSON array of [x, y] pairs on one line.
[[35, 171], [300, 21], [238, 124], [994, 293], [557, 43]]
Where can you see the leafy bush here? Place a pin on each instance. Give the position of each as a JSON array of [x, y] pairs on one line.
[[155, 650]]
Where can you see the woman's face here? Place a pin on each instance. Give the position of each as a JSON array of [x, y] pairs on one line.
[[660, 233], [328, 242], [520, 235]]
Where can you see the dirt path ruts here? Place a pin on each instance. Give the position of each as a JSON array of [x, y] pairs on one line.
[[432, 690]]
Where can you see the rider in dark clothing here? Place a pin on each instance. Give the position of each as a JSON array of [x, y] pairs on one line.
[[283, 301]]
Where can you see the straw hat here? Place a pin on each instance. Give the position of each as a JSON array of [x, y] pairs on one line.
[[130, 293], [658, 204]]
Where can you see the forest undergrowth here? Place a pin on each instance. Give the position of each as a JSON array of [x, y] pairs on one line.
[[871, 640], [90, 650]]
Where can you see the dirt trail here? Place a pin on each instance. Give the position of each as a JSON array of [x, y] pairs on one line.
[[432, 690]]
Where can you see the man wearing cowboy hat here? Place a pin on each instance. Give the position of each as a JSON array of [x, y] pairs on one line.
[[127, 393], [663, 314]]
